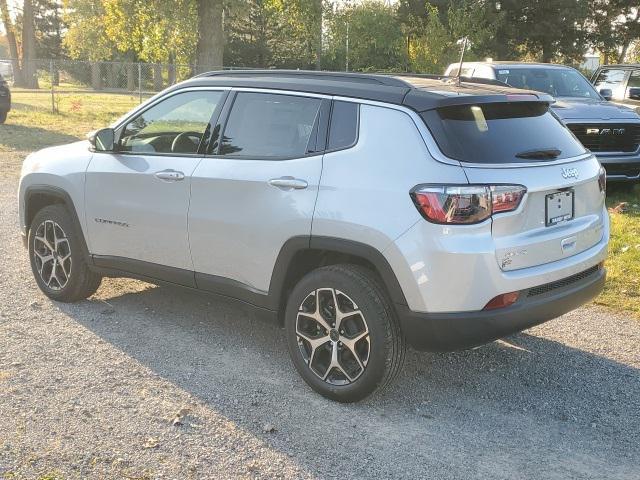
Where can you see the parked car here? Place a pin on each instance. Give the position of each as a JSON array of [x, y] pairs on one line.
[[5, 99], [610, 131], [363, 212], [6, 69], [619, 83]]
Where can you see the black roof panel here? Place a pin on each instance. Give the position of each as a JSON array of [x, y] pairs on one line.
[[415, 91]]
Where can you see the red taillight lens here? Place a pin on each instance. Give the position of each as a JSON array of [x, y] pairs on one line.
[[469, 204], [602, 180], [505, 198], [502, 301], [456, 205]]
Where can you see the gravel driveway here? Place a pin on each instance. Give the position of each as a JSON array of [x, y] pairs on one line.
[[154, 382]]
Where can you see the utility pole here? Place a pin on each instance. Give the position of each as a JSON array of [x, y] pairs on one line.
[[347, 60]]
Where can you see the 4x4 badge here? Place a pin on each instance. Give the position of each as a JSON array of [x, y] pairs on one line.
[[569, 173]]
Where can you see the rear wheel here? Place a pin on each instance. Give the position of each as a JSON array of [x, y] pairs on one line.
[[57, 259], [3, 116], [343, 336]]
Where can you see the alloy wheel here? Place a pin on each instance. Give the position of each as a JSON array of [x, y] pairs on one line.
[[333, 336], [52, 255]]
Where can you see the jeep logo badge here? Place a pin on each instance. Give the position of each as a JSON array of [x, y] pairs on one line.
[[569, 173]]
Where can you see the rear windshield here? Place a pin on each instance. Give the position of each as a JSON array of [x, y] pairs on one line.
[[501, 133]]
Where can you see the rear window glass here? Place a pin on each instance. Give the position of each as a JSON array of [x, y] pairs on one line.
[[501, 133]]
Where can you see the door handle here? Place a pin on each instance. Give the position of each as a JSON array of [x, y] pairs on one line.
[[288, 183], [170, 175]]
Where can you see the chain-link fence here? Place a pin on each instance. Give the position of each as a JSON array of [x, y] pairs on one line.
[[60, 79]]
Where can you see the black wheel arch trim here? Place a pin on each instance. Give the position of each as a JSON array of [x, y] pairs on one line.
[[64, 196], [353, 248]]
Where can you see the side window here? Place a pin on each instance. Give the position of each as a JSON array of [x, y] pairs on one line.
[[343, 131], [266, 125], [609, 79], [633, 87], [174, 125]]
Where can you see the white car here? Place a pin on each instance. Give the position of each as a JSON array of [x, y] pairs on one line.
[[362, 212]]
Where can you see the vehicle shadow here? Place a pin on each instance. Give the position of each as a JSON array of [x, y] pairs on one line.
[[527, 402], [20, 137]]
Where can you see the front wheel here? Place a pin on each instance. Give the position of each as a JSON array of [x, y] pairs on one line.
[[57, 259], [342, 333]]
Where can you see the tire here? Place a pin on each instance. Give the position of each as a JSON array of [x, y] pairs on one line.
[[3, 116], [345, 359], [64, 275]]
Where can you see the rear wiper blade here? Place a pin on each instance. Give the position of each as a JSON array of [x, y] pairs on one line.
[[544, 154]]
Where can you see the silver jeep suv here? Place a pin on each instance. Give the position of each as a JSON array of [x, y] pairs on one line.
[[363, 212]]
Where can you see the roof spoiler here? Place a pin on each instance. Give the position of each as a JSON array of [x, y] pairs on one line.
[[419, 103], [453, 79]]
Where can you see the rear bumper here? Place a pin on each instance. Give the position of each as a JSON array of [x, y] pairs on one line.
[[441, 332], [621, 168]]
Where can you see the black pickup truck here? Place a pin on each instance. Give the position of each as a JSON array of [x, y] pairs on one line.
[[607, 128]]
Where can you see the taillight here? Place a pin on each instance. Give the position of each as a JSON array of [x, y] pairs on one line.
[[449, 204], [602, 180], [505, 198]]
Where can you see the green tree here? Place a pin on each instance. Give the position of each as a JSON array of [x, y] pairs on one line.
[[376, 41], [86, 37], [434, 29], [296, 28], [49, 28], [251, 27], [143, 29], [614, 25]]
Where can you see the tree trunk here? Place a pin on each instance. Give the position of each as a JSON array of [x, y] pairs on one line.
[[131, 77], [210, 46], [625, 49], [96, 77], [171, 69], [13, 45], [29, 67], [157, 77], [547, 53], [112, 75]]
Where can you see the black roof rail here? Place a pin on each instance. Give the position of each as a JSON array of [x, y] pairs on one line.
[[357, 77]]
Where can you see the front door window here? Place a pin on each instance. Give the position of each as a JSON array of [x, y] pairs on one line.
[[173, 126]]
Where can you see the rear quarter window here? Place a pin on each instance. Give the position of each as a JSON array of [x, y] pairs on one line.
[[510, 132], [343, 130]]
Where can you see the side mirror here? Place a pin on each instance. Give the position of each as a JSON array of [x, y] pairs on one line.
[[103, 140], [633, 93], [606, 93]]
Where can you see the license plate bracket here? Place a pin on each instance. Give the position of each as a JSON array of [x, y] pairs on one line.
[[559, 207]]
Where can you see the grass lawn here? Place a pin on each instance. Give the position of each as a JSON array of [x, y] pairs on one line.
[[622, 291], [31, 126]]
